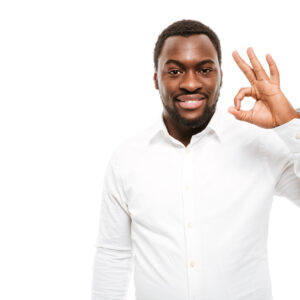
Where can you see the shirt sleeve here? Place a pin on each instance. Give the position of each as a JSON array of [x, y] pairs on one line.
[[113, 258], [288, 181]]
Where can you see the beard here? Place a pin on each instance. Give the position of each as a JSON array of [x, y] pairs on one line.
[[199, 122]]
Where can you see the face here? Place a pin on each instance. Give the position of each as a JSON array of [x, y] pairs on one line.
[[188, 78]]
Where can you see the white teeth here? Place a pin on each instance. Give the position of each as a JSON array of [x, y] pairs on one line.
[[191, 101]]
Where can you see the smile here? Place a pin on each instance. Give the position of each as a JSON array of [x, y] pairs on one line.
[[191, 104]]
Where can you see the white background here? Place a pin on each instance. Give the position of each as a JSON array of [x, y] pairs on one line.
[[75, 80]]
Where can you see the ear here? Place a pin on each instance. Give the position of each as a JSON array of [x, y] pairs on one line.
[[155, 80]]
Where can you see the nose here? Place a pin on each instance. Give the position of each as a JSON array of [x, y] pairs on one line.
[[190, 82]]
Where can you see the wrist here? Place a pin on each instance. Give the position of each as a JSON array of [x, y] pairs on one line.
[[287, 118]]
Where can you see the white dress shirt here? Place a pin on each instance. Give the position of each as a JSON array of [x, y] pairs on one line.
[[192, 222]]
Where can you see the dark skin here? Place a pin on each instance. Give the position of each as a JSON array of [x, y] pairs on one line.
[[188, 66]]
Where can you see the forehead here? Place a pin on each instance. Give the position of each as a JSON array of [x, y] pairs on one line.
[[187, 49]]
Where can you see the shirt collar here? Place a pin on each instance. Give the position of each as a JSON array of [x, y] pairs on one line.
[[214, 125]]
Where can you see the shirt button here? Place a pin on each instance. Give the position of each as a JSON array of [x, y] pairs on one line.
[[187, 187], [190, 225], [192, 264], [187, 150], [298, 135]]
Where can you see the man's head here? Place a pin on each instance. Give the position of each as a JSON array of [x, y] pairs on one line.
[[187, 60]]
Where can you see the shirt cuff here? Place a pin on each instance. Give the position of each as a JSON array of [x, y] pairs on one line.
[[290, 134]]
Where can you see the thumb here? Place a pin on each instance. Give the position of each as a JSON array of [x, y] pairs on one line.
[[240, 114]]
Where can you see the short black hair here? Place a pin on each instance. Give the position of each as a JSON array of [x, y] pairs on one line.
[[186, 28]]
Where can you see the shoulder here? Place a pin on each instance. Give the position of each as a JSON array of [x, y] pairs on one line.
[[266, 141], [133, 145], [241, 132], [252, 139]]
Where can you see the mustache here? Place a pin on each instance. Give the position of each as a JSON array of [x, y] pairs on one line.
[[192, 94]]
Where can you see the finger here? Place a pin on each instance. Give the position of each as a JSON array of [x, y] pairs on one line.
[[258, 69], [273, 69], [243, 92], [245, 68], [242, 115]]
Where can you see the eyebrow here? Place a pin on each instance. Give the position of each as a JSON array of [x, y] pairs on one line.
[[199, 64]]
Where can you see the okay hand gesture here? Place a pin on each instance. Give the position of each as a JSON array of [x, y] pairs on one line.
[[271, 108]]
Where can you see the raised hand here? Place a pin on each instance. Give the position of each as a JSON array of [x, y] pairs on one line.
[[271, 108]]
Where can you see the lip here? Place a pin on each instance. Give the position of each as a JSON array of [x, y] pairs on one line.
[[194, 97]]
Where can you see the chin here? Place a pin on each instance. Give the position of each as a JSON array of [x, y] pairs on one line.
[[196, 122]]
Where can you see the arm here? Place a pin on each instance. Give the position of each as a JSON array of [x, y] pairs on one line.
[[272, 110], [113, 258], [288, 183]]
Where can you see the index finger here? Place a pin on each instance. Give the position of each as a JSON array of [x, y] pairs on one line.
[[245, 68]]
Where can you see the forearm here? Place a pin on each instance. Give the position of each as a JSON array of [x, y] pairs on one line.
[[111, 274]]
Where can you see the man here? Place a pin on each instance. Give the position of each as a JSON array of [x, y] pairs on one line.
[[187, 200]]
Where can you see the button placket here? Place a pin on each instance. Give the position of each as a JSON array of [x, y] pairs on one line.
[[188, 203], [187, 185]]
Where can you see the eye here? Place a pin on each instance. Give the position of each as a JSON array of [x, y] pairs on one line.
[[174, 72], [205, 70]]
